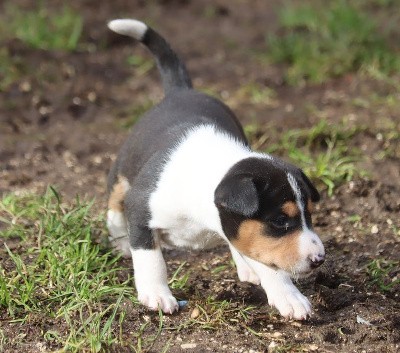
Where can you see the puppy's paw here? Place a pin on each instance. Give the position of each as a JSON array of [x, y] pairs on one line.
[[159, 299], [246, 274], [290, 302]]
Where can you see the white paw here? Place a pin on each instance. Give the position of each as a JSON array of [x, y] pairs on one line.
[[246, 274], [290, 302], [159, 299]]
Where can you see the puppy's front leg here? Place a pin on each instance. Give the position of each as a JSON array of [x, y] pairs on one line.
[[281, 292], [149, 267], [244, 271], [151, 280]]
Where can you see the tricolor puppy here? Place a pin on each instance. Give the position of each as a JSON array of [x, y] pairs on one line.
[[186, 177]]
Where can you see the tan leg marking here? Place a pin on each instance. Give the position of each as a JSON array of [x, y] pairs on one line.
[[117, 195], [282, 252]]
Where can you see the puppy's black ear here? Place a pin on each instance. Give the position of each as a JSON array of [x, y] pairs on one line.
[[237, 194], [315, 196]]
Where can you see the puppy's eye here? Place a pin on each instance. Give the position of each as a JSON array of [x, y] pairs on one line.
[[281, 221]]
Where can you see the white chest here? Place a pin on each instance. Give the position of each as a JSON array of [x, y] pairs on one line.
[[187, 234], [182, 205]]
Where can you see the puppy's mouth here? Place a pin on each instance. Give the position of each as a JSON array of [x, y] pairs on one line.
[[306, 268]]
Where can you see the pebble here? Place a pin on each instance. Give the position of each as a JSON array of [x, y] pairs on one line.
[[182, 303], [271, 346], [188, 345], [374, 229], [195, 313]]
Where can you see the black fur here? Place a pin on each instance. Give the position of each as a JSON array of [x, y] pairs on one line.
[[257, 188], [252, 188], [172, 70], [144, 153]]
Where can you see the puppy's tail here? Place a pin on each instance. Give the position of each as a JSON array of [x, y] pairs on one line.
[[172, 70]]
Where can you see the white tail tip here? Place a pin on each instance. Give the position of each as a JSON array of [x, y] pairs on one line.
[[128, 27]]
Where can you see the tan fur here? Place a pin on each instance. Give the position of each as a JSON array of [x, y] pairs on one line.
[[290, 208], [253, 242], [117, 195]]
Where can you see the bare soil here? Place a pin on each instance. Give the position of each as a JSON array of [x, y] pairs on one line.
[[61, 125]]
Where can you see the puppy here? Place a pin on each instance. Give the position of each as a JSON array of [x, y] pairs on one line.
[[186, 177]]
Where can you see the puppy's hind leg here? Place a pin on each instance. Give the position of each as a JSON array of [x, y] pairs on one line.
[[117, 228], [116, 222]]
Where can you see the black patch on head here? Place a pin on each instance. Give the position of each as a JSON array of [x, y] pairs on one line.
[[256, 188], [237, 194], [314, 194]]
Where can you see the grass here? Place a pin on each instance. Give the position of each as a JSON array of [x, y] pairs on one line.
[[62, 275], [321, 151], [57, 280], [254, 93], [320, 40], [130, 115], [11, 69], [213, 314], [38, 28], [142, 65], [42, 29], [384, 274]]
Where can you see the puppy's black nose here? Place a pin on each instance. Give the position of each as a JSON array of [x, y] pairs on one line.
[[317, 260]]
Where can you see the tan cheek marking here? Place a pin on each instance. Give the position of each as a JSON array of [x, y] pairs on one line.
[[310, 206], [290, 208], [117, 195], [282, 252]]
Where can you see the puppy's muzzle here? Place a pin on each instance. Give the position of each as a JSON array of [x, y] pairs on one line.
[[316, 260]]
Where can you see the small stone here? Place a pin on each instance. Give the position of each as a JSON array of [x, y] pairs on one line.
[[182, 303], [195, 313], [272, 346], [296, 324], [374, 229], [277, 334], [188, 345], [25, 86], [313, 347], [92, 96]]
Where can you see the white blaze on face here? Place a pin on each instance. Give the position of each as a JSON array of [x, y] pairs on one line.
[[310, 245]]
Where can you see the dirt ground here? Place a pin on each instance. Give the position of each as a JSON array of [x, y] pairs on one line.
[[61, 124]]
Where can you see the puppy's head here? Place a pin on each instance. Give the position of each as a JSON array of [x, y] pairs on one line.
[[265, 208]]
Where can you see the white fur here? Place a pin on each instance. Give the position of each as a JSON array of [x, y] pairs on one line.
[[183, 202], [151, 280], [281, 292], [128, 27], [244, 271], [182, 206], [310, 245]]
